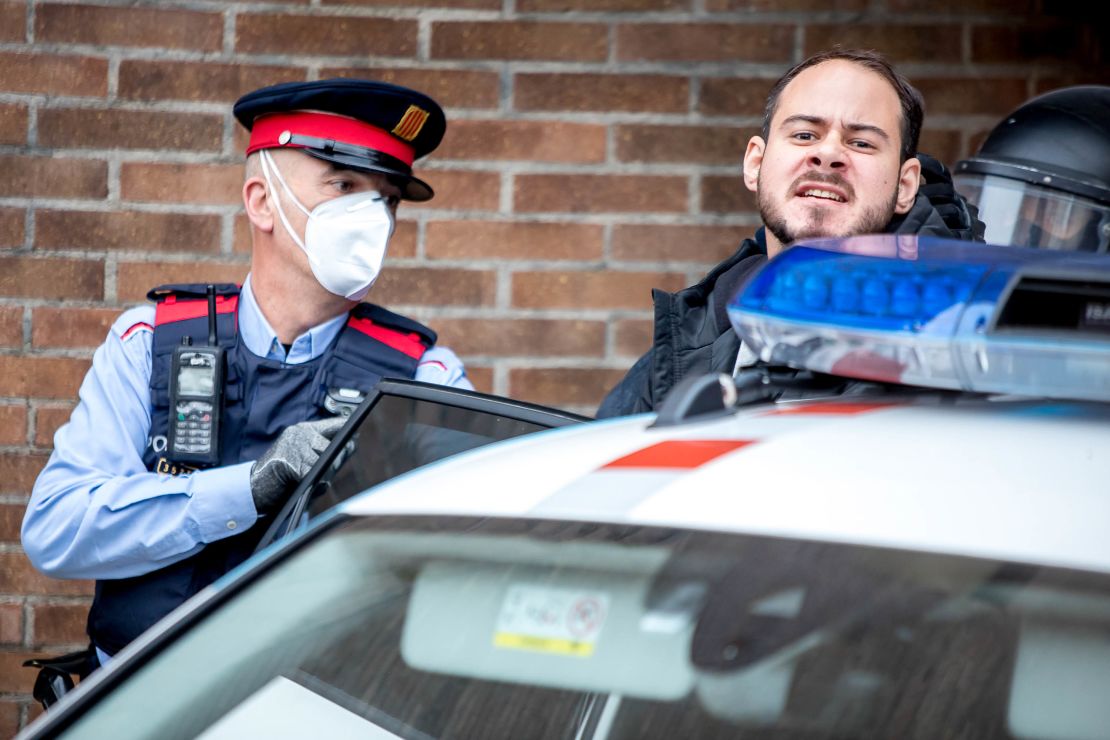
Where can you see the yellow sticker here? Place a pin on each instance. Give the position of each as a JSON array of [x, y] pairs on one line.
[[543, 644], [411, 123]]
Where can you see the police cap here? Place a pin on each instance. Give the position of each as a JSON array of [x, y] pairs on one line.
[[361, 124]]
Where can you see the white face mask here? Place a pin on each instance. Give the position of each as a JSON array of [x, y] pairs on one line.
[[345, 238]]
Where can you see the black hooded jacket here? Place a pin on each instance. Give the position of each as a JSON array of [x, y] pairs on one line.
[[692, 330]]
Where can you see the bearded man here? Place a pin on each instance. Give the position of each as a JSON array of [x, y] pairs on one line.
[[836, 156]]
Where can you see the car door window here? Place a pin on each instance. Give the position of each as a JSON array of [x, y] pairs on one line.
[[405, 425]]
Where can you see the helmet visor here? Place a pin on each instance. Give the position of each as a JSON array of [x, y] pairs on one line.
[[1026, 215]]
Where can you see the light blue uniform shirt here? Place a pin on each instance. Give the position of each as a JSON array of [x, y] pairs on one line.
[[97, 512]]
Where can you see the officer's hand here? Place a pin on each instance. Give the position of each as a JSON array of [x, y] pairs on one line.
[[294, 452]]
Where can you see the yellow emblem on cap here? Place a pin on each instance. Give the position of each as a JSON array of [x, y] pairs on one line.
[[410, 124]]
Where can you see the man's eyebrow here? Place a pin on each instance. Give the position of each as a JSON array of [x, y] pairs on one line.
[[819, 121], [870, 128]]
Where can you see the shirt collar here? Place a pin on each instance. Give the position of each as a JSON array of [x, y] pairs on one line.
[[260, 338]]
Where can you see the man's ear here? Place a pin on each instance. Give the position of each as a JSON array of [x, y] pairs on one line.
[[753, 159], [909, 180], [259, 207]]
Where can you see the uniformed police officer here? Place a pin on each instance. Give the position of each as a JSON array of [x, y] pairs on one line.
[[328, 163]]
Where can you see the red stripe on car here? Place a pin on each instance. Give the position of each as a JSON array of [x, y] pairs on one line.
[[679, 453], [832, 407]]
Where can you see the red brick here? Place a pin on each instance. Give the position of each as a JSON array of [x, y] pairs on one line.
[[13, 28], [9, 710], [898, 43], [783, 6], [134, 279], [509, 240], [595, 290], [578, 42], [151, 80], [633, 336], [220, 184], [467, 4], [972, 96], [464, 190], [127, 230], [538, 141], [41, 377], [13, 124], [1055, 80], [11, 326], [13, 425], [600, 193], [127, 129], [11, 519], [70, 327], [562, 386], [672, 243], [434, 287], [967, 7], [602, 92], [726, 194], [288, 33], [1024, 44], [51, 278], [522, 337], [11, 624], [481, 376], [705, 42], [60, 624], [48, 177], [14, 678], [942, 144], [11, 227], [403, 241], [733, 97], [130, 26], [455, 88], [17, 475], [47, 421], [47, 74], [548, 6], [701, 144]]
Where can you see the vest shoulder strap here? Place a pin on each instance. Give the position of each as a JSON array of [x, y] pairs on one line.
[[186, 301], [398, 332]]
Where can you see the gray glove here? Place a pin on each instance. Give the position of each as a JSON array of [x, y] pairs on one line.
[[290, 457]]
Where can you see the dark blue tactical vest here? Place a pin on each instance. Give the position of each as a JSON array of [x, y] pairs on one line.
[[261, 398]]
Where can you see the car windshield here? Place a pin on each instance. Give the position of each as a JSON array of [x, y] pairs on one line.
[[451, 627]]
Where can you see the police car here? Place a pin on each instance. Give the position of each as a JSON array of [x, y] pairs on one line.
[[894, 525]]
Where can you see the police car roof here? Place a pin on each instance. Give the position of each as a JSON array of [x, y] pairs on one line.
[[1023, 481]]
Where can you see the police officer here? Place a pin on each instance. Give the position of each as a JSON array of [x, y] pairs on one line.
[[327, 164], [1042, 176]]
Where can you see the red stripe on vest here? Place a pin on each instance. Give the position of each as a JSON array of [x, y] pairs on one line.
[[171, 309], [407, 343], [679, 453]]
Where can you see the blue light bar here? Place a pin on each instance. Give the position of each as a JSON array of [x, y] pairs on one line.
[[922, 311]]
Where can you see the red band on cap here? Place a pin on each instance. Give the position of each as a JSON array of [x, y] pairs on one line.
[[267, 129]]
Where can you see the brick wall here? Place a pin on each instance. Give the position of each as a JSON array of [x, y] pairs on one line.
[[592, 154]]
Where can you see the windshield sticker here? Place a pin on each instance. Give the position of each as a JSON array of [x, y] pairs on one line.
[[544, 619]]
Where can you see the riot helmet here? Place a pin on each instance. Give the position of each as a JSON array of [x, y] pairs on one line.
[[1042, 176]]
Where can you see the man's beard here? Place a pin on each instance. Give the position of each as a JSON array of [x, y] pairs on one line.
[[873, 220]]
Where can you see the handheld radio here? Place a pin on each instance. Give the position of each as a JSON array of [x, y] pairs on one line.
[[196, 397]]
